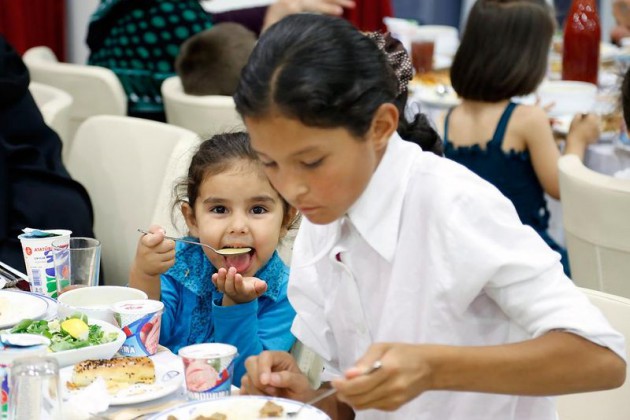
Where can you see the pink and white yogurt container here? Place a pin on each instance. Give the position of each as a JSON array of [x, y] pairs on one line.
[[208, 370], [140, 320]]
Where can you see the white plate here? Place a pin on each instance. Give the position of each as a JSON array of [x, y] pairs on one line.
[[169, 376], [240, 408], [102, 351], [427, 94], [15, 307], [441, 62]]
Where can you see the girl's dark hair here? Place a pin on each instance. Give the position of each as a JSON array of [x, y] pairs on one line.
[[214, 156], [625, 98], [323, 72], [503, 52]]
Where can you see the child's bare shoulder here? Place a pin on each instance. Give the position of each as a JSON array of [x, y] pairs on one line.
[[529, 117]]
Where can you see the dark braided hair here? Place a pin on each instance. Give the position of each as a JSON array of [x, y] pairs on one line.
[[322, 71]]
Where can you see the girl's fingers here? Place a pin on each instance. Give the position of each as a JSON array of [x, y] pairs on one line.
[[229, 281]]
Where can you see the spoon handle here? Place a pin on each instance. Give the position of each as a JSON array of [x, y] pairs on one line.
[[172, 238]]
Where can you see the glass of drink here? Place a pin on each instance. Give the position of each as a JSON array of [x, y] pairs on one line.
[[77, 263], [35, 390], [422, 50]]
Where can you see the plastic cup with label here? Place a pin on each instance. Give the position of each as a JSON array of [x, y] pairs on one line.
[[8, 354], [140, 320], [208, 370], [38, 257], [77, 263]]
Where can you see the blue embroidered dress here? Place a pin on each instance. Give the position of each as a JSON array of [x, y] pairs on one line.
[[193, 312], [512, 173]]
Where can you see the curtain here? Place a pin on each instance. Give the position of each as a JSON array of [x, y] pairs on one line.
[[30, 23]]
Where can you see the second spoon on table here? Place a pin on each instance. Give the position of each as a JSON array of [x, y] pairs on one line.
[[223, 251]]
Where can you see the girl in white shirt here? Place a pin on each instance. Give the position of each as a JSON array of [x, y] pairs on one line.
[[404, 257]]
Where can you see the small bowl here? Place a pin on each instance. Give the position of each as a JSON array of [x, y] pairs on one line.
[[96, 301], [100, 351], [568, 97]]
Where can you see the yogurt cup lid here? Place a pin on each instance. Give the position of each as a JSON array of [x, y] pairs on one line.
[[207, 351], [8, 353], [35, 234], [137, 306]]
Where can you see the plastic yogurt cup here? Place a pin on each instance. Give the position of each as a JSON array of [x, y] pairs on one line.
[[140, 320], [38, 257], [208, 369]]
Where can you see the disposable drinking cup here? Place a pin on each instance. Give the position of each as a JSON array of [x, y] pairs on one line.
[[208, 370], [141, 321], [422, 49], [39, 261], [76, 263], [35, 390]]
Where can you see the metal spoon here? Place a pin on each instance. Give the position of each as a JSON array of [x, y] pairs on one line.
[[223, 251], [377, 365]]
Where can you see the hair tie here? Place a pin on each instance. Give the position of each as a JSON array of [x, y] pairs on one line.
[[397, 57]]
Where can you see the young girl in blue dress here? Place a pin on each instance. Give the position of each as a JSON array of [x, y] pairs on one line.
[[405, 257], [227, 202], [509, 145]]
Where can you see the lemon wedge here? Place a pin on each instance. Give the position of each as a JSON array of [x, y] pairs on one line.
[[76, 328]]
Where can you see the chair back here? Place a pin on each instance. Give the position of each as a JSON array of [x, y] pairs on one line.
[[613, 404], [205, 115], [54, 104], [596, 213], [94, 90], [129, 167]]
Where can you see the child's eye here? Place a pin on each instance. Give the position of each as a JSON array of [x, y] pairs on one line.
[[270, 164], [313, 164], [218, 209], [259, 210]]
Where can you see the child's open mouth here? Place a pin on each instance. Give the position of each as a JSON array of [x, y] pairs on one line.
[[241, 262]]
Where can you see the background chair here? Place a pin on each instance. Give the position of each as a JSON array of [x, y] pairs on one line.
[[129, 167], [608, 405], [205, 115], [95, 90], [54, 105], [596, 213]]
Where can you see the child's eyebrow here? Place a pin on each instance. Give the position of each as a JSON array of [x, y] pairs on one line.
[[263, 199], [214, 200]]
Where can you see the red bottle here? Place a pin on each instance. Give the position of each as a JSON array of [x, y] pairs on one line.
[[582, 34]]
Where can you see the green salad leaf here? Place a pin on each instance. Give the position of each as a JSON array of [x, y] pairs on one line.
[[60, 339]]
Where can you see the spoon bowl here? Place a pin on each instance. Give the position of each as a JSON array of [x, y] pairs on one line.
[[223, 251]]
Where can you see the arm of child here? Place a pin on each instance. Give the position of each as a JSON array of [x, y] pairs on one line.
[[277, 374], [584, 130], [154, 256], [535, 129], [261, 324], [542, 366]]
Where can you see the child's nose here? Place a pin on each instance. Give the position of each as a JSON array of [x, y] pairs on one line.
[[239, 224]]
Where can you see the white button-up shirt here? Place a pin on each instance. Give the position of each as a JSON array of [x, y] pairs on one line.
[[431, 253]]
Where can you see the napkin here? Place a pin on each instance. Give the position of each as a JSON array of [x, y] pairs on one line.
[[87, 402]]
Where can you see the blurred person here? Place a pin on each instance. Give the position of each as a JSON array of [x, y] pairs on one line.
[[210, 62], [35, 188], [510, 145]]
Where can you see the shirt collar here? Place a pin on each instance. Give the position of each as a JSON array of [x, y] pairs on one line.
[[376, 214], [194, 271]]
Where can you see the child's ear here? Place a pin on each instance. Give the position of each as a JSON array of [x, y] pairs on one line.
[[384, 124], [289, 219], [191, 221]]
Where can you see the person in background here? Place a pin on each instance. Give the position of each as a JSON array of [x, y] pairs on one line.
[[35, 188], [210, 62], [621, 13], [510, 145], [139, 41], [227, 202], [404, 257]]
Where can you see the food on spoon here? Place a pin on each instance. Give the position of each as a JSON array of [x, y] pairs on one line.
[[271, 409], [117, 373]]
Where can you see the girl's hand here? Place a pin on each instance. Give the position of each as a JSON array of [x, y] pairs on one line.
[[405, 374], [275, 373], [584, 129], [154, 255], [236, 288]]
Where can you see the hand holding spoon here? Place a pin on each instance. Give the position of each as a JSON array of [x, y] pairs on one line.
[[223, 251]]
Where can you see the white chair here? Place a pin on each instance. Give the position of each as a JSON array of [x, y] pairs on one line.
[[54, 105], [205, 115], [596, 213], [604, 405], [95, 90], [129, 166]]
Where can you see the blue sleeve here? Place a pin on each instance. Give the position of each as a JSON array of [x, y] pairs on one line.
[[262, 324], [169, 295]]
